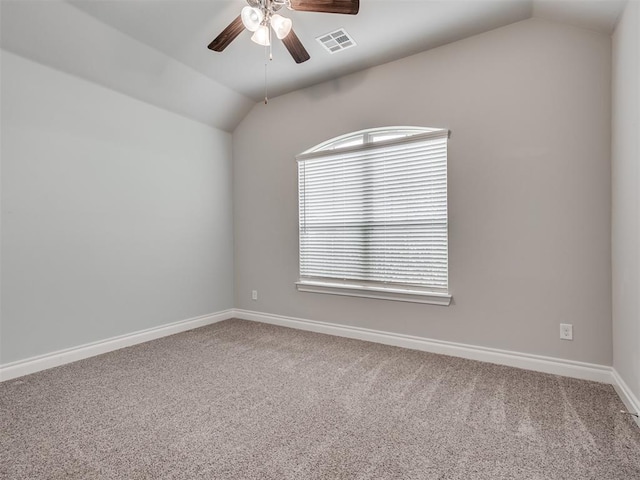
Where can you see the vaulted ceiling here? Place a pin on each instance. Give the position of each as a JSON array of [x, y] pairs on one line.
[[156, 50]]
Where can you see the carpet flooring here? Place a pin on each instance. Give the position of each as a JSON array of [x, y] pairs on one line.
[[243, 400]]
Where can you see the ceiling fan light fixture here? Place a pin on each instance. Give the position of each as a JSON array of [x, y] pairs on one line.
[[281, 25], [262, 36], [259, 17], [251, 18]]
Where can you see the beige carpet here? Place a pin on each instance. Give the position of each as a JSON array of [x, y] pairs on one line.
[[241, 400]]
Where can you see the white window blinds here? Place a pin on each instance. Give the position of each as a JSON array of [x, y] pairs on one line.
[[376, 214]]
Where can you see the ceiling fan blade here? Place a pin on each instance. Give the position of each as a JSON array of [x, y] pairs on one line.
[[228, 35], [347, 7], [295, 47]]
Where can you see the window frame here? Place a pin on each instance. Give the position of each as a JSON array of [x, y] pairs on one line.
[[397, 292]]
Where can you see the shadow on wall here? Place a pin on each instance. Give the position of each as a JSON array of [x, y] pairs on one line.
[[338, 85]]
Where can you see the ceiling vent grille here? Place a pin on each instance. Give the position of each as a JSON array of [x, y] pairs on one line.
[[336, 41]]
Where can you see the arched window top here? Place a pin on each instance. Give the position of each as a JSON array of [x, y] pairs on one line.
[[370, 136]]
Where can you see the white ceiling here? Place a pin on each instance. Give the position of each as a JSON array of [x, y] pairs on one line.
[[599, 15], [78, 37], [384, 30]]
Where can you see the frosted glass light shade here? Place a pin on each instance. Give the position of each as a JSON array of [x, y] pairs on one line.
[[281, 25], [251, 18], [261, 36]]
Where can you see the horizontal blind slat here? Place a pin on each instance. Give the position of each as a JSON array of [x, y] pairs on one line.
[[376, 214]]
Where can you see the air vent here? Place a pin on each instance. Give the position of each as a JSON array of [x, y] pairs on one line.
[[336, 41]]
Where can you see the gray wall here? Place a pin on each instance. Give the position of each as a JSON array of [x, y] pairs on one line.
[[529, 202], [116, 215], [626, 200]]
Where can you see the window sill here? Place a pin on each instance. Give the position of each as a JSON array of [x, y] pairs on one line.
[[396, 294]]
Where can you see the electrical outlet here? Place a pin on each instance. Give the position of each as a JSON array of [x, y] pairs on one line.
[[254, 294], [566, 331]]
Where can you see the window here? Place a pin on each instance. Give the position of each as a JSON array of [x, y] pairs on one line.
[[373, 215]]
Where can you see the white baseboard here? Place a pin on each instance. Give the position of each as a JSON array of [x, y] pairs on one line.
[[626, 395], [538, 363], [61, 357]]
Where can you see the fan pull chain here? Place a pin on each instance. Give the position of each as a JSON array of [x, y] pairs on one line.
[[266, 97], [268, 53]]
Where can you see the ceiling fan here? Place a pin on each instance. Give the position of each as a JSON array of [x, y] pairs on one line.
[[259, 15]]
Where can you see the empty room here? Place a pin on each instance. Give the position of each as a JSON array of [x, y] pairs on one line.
[[320, 239]]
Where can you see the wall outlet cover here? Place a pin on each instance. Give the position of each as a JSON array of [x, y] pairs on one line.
[[566, 331]]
